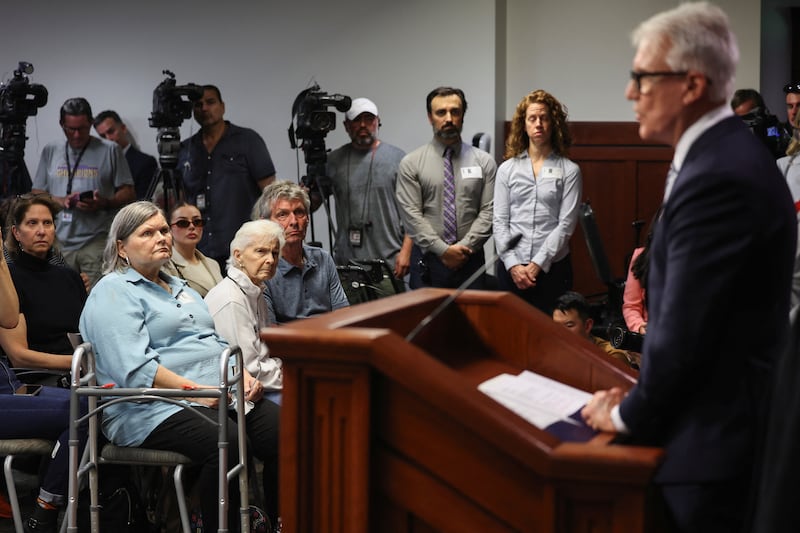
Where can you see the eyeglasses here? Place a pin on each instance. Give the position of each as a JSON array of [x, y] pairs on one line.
[[637, 77], [792, 88], [183, 223], [72, 131]]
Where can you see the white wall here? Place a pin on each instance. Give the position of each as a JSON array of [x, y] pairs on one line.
[[263, 53], [581, 53]]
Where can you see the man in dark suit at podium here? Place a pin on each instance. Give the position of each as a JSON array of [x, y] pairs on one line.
[[109, 126], [719, 277]]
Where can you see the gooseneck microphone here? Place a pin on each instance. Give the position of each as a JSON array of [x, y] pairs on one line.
[[512, 243]]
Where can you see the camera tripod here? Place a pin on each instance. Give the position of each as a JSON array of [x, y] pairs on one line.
[[172, 191], [14, 176]]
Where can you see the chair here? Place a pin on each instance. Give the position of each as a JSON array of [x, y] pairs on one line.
[[612, 311], [13, 448], [483, 141], [364, 280], [356, 284], [84, 384]]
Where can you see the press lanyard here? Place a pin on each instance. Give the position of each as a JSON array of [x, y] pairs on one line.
[[369, 185], [70, 170]]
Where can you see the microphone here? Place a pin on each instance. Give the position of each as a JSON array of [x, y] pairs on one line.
[[512, 243]]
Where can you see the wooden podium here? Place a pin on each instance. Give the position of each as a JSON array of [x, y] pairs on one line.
[[382, 435]]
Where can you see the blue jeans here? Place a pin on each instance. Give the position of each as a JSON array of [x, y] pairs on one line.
[[44, 416]]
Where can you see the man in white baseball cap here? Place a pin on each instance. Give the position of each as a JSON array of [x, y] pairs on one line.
[[363, 174]]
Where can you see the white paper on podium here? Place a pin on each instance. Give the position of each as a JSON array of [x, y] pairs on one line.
[[539, 400]]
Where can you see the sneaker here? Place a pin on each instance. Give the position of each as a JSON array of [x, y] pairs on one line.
[[42, 521], [33, 525]]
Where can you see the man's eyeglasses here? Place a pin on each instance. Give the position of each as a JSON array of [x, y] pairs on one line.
[[72, 131], [183, 223], [792, 88], [637, 76]]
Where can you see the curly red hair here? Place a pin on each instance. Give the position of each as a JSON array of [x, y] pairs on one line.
[[518, 140]]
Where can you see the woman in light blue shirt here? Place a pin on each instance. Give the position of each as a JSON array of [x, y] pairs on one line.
[[149, 329], [536, 194]]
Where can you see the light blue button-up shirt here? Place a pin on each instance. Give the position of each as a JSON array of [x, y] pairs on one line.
[[134, 326], [544, 210]]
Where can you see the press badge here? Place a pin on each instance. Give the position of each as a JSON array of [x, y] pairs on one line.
[[185, 298], [66, 216], [200, 202], [471, 173], [553, 172], [356, 234]]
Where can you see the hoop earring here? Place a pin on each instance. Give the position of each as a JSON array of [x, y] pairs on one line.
[[127, 261]]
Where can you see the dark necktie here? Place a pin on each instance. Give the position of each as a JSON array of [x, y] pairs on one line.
[[449, 199]]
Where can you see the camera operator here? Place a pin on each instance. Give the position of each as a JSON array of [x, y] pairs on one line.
[[90, 178], [749, 104], [109, 126], [363, 174], [792, 91], [224, 167]]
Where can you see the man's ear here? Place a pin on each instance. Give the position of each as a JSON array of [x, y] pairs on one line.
[[588, 325], [696, 86]]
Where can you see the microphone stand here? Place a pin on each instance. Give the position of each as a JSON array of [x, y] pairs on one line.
[[512, 243]]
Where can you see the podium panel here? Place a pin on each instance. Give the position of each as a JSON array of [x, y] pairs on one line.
[[379, 434]]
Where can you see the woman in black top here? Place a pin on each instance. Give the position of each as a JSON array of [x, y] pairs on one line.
[[51, 297]]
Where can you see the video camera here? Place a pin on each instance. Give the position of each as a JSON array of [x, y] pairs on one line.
[[769, 130], [314, 121], [312, 118], [169, 106], [19, 99], [172, 104]]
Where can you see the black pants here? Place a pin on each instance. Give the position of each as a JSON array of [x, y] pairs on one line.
[[196, 438], [719, 507], [549, 286], [427, 270]]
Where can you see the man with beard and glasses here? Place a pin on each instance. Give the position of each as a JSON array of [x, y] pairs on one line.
[[445, 191], [362, 175]]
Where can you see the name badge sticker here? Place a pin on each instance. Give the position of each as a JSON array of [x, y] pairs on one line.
[[553, 172], [185, 298], [471, 173]]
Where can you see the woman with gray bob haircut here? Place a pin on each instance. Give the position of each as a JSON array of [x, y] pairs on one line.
[[123, 225], [237, 302], [150, 329]]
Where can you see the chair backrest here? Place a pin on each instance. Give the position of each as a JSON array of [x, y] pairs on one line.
[[594, 244], [483, 141]]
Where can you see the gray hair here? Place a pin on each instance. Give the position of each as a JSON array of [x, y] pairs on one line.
[[699, 38], [125, 223], [251, 232], [76, 107], [279, 190]]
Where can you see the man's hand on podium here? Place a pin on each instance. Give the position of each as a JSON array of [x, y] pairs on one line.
[[597, 412]]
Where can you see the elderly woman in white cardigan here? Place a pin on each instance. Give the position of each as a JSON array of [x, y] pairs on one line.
[[238, 306]]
